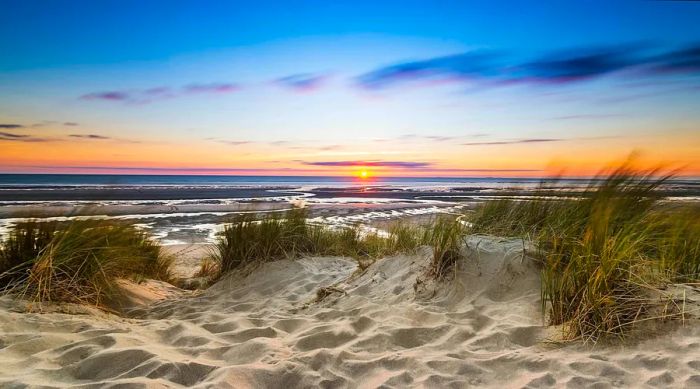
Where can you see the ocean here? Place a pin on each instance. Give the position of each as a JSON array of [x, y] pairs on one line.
[[192, 209]]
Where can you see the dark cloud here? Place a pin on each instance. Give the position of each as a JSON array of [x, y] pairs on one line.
[[683, 60], [89, 136], [473, 65], [574, 65], [11, 126], [304, 82], [513, 142], [13, 136], [556, 67], [21, 137], [70, 124], [400, 164]]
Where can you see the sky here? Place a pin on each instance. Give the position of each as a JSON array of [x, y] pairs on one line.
[[394, 88]]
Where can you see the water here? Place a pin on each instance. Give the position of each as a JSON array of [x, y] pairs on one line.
[[59, 180], [192, 208]]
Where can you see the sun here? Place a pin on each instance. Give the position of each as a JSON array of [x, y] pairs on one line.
[[363, 174]]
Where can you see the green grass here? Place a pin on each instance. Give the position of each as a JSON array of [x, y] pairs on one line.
[[78, 261], [24, 244], [247, 241], [603, 252], [445, 237]]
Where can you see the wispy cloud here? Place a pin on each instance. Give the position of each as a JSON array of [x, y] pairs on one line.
[[566, 66], [576, 64], [89, 136], [7, 136], [11, 126], [232, 142], [216, 87], [434, 138], [686, 59], [397, 164], [587, 116], [142, 96], [513, 142], [303, 82], [71, 124], [108, 96], [471, 65]]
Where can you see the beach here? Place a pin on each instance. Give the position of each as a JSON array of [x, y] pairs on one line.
[[332, 321], [365, 194], [318, 322]]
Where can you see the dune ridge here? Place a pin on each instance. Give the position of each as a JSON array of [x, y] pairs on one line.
[[319, 322]]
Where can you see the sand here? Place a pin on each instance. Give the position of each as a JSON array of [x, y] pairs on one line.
[[319, 322]]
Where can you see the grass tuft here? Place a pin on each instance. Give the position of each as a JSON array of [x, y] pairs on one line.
[[247, 241], [604, 251], [445, 238], [77, 262]]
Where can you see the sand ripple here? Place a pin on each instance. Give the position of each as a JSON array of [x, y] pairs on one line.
[[482, 328]]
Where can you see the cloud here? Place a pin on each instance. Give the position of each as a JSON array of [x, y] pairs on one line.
[[11, 126], [434, 138], [211, 88], [233, 142], [13, 136], [471, 65], [303, 82], [577, 64], [564, 66], [70, 124], [89, 136], [686, 59], [20, 137], [143, 96], [108, 96], [330, 147], [587, 116], [513, 142], [399, 164]]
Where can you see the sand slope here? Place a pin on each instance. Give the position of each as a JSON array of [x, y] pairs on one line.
[[273, 329]]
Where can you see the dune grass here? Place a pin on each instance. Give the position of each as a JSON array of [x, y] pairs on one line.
[[445, 237], [78, 261], [603, 252], [24, 244], [247, 241]]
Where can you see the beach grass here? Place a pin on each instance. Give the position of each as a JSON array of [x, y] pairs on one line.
[[445, 238], [247, 241], [604, 251], [78, 261]]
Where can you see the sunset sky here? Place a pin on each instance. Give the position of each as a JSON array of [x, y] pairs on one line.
[[403, 88]]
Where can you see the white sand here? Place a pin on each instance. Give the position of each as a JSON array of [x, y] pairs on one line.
[[483, 328]]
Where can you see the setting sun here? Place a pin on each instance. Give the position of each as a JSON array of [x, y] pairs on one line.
[[363, 174]]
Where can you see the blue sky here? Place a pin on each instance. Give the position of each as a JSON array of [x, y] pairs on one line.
[[406, 88]]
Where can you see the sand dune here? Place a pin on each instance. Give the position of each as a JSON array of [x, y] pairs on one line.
[[318, 322]]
